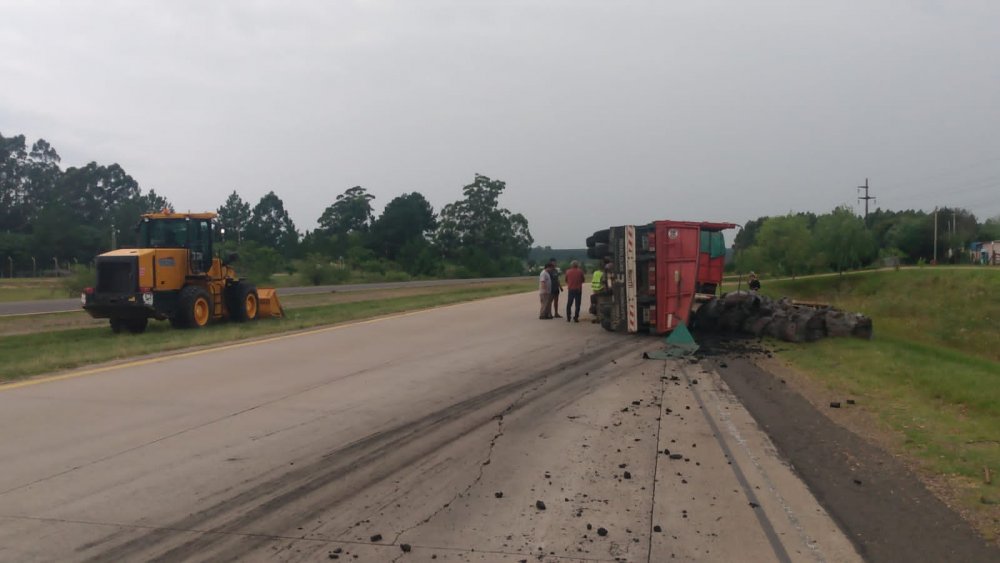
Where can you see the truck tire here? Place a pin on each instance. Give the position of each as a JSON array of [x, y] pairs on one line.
[[606, 313], [137, 326], [117, 325], [243, 302], [194, 307], [590, 241], [602, 237], [598, 251]]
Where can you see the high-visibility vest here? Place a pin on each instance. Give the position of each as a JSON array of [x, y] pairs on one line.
[[597, 282]]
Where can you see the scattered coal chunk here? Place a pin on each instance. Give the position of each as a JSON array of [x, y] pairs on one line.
[[498, 494], [754, 505], [539, 505], [602, 532], [405, 547], [676, 456], [834, 404], [850, 401], [657, 528], [590, 526], [857, 481], [627, 475], [376, 537]]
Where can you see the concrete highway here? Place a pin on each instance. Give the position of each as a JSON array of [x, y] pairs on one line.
[[43, 306], [473, 432]]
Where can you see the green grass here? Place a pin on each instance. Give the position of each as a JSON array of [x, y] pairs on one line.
[[31, 354], [30, 289], [931, 372]]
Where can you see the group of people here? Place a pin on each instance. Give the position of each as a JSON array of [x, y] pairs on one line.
[[549, 288]]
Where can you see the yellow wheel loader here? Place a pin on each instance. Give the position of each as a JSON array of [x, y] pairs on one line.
[[172, 274]]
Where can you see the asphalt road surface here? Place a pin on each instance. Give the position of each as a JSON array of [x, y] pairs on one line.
[[42, 306], [473, 432]]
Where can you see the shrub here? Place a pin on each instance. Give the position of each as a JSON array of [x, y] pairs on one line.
[[80, 278], [316, 269]]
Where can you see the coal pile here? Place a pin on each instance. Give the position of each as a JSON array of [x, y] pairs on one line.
[[784, 319]]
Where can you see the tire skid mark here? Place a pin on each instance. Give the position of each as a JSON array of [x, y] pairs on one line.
[[269, 496]]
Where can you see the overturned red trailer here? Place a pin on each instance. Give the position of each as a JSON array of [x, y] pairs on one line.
[[659, 272]]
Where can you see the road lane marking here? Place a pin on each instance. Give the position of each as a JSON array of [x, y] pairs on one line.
[[225, 347], [780, 553]]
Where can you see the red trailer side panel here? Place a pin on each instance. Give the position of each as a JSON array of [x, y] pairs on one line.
[[678, 246]]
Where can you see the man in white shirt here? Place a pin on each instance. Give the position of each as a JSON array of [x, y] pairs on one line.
[[545, 292]]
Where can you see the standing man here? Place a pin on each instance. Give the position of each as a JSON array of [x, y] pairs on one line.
[[574, 290], [599, 287], [545, 292], [556, 288]]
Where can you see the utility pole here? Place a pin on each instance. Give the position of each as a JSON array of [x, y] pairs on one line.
[[865, 197], [935, 236]]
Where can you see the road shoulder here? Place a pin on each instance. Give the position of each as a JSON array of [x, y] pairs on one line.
[[876, 499]]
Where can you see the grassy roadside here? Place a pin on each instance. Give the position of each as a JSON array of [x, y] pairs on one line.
[[31, 354], [30, 289], [931, 375]]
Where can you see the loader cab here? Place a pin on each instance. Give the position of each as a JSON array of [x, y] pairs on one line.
[[191, 232]]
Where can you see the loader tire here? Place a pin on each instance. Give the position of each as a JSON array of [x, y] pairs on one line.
[[137, 326], [194, 307], [243, 302]]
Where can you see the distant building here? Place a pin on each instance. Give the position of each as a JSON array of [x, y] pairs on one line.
[[985, 252]]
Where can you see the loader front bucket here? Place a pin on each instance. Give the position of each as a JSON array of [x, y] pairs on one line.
[[269, 305]]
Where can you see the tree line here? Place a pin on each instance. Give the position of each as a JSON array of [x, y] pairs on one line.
[[73, 214], [803, 243]]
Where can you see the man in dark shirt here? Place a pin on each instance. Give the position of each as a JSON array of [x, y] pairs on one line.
[[555, 288], [574, 290]]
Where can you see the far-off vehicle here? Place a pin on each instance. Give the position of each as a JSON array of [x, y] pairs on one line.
[[172, 274]]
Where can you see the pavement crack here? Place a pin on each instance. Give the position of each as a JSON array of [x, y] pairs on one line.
[[499, 418], [656, 465]]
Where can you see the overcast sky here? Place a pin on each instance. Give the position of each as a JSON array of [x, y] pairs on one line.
[[594, 113]]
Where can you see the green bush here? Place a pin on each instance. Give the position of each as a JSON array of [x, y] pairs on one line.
[[316, 269], [396, 276], [81, 278]]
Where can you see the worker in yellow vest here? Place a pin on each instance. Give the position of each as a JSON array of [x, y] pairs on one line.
[[600, 285]]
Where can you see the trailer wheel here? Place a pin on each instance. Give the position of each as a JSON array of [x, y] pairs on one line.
[[117, 325], [194, 307], [243, 302], [606, 312], [137, 326]]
